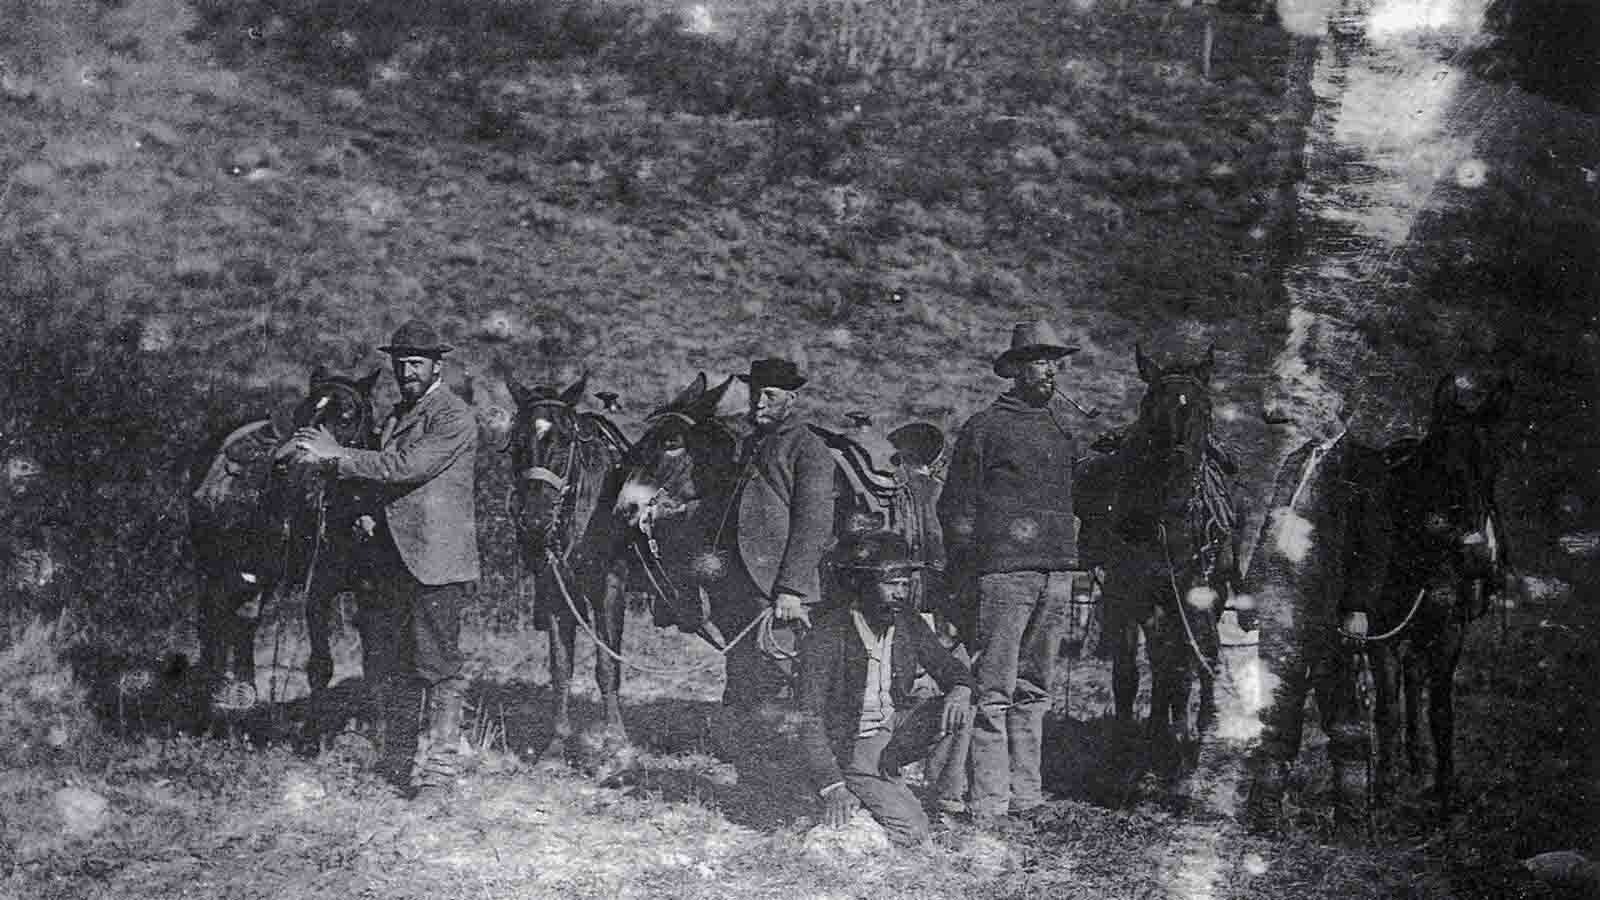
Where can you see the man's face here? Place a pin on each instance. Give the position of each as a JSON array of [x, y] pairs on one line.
[[415, 374], [889, 594], [1036, 379], [770, 406]]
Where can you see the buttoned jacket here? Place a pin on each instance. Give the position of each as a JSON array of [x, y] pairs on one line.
[[424, 470]]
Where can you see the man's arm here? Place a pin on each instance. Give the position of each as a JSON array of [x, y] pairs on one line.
[[419, 455], [932, 655], [819, 663], [810, 519]]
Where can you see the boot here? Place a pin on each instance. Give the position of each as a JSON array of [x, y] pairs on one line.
[[1263, 806], [396, 703], [438, 761]]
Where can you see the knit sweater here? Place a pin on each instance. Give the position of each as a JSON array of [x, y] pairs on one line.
[[1007, 502]]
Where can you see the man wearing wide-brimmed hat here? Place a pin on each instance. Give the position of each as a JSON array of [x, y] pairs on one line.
[[423, 553], [859, 721], [1007, 515]]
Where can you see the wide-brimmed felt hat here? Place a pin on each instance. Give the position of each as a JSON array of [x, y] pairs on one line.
[[416, 338], [1030, 341], [775, 372], [880, 552], [918, 443]]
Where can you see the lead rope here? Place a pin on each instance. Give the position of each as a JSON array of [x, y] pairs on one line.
[[556, 565]]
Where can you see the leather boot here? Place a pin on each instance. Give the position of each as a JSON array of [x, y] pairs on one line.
[[396, 706], [1263, 806], [439, 756]]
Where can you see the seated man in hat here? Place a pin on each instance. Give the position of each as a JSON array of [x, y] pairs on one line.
[[859, 721]]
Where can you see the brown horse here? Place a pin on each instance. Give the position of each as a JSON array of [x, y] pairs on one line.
[[1172, 556], [263, 531], [563, 460], [1447, 557]]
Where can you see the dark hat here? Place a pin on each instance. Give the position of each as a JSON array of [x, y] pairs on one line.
[[919, 443], [778, 373], [416, 338], [1030, 341], [882, 552]]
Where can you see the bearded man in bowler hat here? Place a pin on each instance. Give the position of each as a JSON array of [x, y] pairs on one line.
[[784, 522], [1008, 522], [423, 557]]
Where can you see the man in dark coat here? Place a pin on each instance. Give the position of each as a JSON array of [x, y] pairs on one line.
[[1322, 553], [783, 525], [1008, 522], [859, 720], [423, 553]]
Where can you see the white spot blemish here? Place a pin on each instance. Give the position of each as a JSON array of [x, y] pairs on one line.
[[1254, 864], [1024, 531], [1291, 535]]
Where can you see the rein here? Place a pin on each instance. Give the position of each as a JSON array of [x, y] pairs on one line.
[[762, 623]]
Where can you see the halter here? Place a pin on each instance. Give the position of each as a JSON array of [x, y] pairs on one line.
[[566, 502]]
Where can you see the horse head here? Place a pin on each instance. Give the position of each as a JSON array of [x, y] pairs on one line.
[[686, 452], [1450, 492], [1175, 412], [547, 443], [1166, 453], [341, 404]]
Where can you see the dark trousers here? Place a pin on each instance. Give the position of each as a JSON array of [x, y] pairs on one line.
[[872, 771], [1298, 661], [409, 630]]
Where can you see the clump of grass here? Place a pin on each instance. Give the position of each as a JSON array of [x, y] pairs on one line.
[[43, 712]]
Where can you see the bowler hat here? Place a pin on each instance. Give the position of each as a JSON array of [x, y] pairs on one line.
[[778, 373], [918, 443], [882, 552], [1030, 341], [416, 338]]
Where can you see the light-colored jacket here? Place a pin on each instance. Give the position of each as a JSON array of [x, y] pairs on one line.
[[424, 466], [786, 511]]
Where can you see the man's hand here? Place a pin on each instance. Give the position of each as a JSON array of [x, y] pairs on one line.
[[317, 445], [838, 805], [366, 527], [789, 607], [957, 710], [1355, 624]]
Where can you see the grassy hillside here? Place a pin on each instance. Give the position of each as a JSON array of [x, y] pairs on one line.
[[201, 204]]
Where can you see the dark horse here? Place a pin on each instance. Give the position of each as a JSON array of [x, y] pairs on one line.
[[1172, 555], [264, 530], [1447, 557], [562, 462]]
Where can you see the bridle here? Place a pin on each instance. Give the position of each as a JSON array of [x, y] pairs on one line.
[[561, 482]]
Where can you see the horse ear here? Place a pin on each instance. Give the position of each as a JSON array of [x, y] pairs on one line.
[[690, 394], [1207, 365], [521, 395], [319, 374], [1147, 369], [371, 381], [574, 394], [712, 399]]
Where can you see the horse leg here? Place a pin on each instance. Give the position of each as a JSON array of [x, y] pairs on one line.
[[607, 670], [1411, 677], [1125, 670], [562, 628], [1443, 656], [1386, 678]]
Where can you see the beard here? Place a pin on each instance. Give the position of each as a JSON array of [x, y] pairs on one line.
[[1038, 392]]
